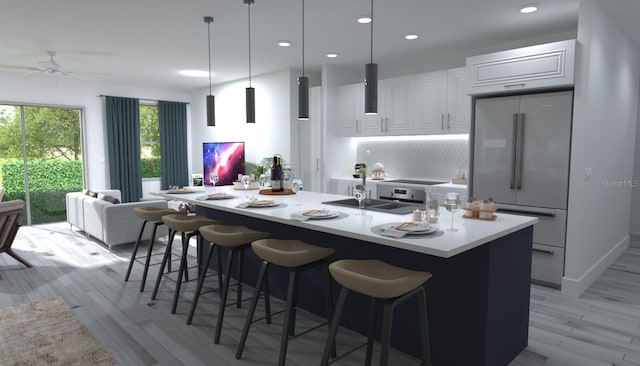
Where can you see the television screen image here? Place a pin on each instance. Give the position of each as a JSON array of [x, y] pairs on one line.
[[223, 158]]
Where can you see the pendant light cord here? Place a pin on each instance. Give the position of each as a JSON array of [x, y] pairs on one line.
[[371, 31], [302, 38], [249, 21], [209, 39]]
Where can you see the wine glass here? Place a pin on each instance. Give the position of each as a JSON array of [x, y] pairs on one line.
[[452, 204], [359, 194], [246, 180], [213, 178], [296, 185]]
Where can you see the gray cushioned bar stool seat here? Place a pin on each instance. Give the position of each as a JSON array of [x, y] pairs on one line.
[[237, 239], [298, 256], [147, 214], [379, 280], [188, 226]]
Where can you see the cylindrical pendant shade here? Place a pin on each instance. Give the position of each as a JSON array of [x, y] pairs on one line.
[[211, 111], [371, 89], [251, 105], [303, 98]]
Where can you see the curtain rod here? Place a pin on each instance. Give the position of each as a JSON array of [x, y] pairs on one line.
[[145, 99]]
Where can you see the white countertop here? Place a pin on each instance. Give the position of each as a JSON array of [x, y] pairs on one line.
[[471, 233]]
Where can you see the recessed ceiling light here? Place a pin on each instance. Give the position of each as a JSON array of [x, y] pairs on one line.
[[411, 36], [332, 55], [284, 43], [529, 8], [194, 73], [365, 19]]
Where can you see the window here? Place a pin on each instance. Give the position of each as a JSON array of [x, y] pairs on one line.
[[149, 141]]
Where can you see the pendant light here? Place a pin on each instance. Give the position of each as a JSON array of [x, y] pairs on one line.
[[371, 79], [250, 92], [211, 107], [303, 83]]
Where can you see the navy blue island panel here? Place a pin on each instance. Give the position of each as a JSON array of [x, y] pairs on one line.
[[477, 301]]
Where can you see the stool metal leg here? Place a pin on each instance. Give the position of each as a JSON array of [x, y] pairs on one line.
[[252, 307], [385, 342], [196, 295], [225, 293], [333, 330], [240, 278], [373, 315], [329, 301], [135, 251], [287, 328], [220, 281], [182, 270], [424, 327], [149, 251], [165, 259], [267, 298]]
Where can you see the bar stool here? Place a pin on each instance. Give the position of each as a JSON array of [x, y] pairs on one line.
[[379, 280], [298, 256], [147, 214], [189, 227], [237, 239]]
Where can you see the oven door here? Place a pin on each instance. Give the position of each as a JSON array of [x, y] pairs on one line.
[[400, 193]]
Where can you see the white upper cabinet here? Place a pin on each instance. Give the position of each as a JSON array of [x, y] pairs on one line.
[[441, 103], [396, 115], [350, 112], [537, 67]]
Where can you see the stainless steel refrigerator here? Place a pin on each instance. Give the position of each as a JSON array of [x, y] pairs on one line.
[[521, 153]]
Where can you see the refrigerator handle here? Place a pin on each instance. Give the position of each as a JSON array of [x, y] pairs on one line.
[[514, 151], [520, 152]]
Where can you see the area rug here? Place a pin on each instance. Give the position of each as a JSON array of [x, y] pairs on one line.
[[47, 333]]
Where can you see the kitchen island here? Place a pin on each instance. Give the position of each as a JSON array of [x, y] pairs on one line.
[[477, 300]]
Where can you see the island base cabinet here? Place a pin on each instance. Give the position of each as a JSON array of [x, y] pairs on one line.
[[477, 301]]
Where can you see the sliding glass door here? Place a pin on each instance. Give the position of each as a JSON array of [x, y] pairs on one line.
[[40, 158]]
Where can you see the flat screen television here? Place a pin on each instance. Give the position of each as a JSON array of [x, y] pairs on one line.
[[224, 158]]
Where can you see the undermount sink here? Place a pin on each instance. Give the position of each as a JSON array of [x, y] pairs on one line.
[[394, 207]]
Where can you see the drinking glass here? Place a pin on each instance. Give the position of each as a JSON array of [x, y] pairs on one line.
[[452, 204], [359, 194], [296, 185], [246, 180], [213, 178]]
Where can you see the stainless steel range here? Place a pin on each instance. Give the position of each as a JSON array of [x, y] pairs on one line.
[[404, 190]]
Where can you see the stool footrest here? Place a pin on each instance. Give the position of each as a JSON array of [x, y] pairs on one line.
[[347, 353], [308, 330]]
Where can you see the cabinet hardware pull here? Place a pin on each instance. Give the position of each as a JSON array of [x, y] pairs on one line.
[[381, 124], [448, 121], [357, 122], [442, 121], [524, 212], [544, 251], [521, 153], [386, 124], [514, 151], [521, 85]]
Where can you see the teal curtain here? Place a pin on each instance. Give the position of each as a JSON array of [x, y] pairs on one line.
[[123, 134], [173, 143]]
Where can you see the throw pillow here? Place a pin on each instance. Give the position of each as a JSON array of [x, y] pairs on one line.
[[90, 193], [110, 199]]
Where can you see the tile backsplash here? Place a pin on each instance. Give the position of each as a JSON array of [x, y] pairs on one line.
[[432, 158]]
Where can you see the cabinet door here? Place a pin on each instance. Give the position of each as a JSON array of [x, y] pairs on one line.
[[398, 106], [349, 102], [494, 149], [430, 102], [458, 118]]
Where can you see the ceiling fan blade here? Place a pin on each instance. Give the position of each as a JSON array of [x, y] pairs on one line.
[[18, 68], [30, 75]]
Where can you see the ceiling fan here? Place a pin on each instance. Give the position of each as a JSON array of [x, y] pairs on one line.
[[49, 67]]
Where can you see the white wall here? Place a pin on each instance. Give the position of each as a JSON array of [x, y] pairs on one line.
[[604, 130], [635, 197], [270, 134], [68, 92]]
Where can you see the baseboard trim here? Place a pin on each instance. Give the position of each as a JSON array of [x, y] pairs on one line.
[[575, 287]]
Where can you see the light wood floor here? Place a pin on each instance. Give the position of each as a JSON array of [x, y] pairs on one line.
[[602, 327]]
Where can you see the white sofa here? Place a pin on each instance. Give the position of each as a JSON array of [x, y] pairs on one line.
[[112, 224]]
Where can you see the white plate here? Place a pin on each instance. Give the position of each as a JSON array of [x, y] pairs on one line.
[[419, 229], [262, 203], [320, 214], [214, 196]]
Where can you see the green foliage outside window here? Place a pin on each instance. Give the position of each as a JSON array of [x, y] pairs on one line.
[[149, 141]]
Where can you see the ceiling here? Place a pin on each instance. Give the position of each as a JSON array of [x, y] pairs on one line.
[[145, 42]]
